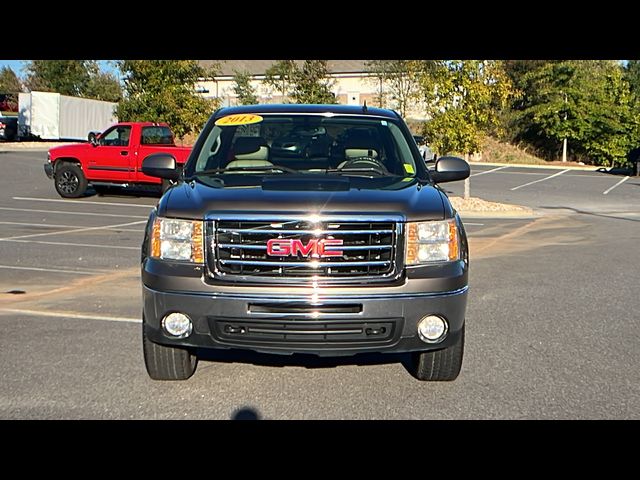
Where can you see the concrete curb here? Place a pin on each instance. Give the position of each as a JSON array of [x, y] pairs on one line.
[[465, 215], [588, 168], [26, 149]]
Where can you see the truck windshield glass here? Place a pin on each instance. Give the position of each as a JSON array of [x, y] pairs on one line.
[[313, 144]]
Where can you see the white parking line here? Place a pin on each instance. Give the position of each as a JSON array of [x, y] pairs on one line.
[[541, 180], [75, 230], [70, 201], [54, 270], [619, 183], [53, 225], [489, 171], [71, 213], [72, 244], [41, 313]]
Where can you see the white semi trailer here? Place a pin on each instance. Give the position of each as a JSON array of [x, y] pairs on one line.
[[51, 116]]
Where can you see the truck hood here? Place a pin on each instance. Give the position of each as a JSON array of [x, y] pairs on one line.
[[412, 199], [74, 149]]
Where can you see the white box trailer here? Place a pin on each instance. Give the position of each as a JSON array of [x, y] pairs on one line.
[[51, 116]]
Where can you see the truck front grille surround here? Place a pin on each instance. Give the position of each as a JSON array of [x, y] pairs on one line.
[[357, 248]]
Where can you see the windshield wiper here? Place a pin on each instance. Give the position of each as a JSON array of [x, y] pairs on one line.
[[264, 168], [360, 171]]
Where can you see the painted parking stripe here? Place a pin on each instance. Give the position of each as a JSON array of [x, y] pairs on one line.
[[53, 225], [70, 202], [619, 183], [41, 313], [541, 180], [65, 244], [71, 213], [75, 230], [489, 171], [52, 270]]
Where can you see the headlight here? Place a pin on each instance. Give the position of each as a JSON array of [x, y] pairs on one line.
[[173, 239], [429, 242]]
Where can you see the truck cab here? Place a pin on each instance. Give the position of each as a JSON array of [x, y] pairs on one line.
[[114, 158]]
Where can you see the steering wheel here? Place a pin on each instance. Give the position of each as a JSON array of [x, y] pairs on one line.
[[365, 163]]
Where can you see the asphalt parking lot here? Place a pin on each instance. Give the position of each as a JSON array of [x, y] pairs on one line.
[[553, 329]]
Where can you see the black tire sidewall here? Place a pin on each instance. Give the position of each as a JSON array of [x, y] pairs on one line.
[[77, 171]]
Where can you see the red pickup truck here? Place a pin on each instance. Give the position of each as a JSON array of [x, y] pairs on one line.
[[113, 159]]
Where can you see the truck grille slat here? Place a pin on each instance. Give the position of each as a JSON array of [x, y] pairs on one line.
[[238, 249], [303, 264]]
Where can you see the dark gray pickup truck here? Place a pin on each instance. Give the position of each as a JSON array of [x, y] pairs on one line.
[[311, 229]]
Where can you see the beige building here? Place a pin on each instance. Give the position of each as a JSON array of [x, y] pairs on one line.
[[351, 83]]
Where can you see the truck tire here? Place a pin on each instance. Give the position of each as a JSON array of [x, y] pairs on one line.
[[167, 363], [439, 365], [69, 180]]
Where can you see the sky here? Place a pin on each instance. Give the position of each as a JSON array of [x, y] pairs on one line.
[[17, 65]]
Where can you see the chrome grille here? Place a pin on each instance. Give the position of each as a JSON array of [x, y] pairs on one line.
[[239, 249]]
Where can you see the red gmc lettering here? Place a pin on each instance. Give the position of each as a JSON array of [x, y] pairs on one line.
[[282, 247]]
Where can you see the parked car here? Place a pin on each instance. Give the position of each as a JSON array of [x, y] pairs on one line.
[[8, 128], [425, 150], [114, 158]]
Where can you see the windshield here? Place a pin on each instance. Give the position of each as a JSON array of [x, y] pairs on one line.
[[274, 144]]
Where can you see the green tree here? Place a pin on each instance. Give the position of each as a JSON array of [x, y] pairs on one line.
[[396, 79], [632, 76], [463, 98], [243, 88], [104, 86], [77, 78], [164, 91], [279, 77], [587, 102], [311, 83], [9, 81], [68, 77]]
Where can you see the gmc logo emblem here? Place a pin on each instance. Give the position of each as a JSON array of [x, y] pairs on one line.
[[316, 248]]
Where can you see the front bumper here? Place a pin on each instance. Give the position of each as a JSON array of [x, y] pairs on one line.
[[48, 169], [325, 322]]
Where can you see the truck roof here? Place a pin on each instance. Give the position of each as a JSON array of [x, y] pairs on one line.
[[306, 108], [144, 124]]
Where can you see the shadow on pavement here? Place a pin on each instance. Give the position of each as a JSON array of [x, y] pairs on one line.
[[300, 359], [616, 171], [123, 192], [582, 212], [246, 413]]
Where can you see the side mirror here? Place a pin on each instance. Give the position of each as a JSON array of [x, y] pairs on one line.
[[162, 165], [93, 138], [450, 169]]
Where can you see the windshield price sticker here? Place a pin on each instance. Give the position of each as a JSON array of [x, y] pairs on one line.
[[239, 119]]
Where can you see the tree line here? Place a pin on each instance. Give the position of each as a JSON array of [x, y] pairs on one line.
[[588, 106]]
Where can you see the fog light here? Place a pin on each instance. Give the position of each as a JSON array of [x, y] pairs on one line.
[[432, 329], [177, 325]]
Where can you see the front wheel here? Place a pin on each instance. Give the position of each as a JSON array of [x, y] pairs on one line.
[[167, 363], [439, 365], [69, 180]]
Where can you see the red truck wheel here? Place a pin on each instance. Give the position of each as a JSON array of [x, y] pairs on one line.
[[69, 180]]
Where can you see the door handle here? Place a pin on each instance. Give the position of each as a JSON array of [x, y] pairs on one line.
[[124, 153]]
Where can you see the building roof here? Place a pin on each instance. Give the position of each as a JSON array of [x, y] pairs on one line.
[[311, 109], [259, 67]]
